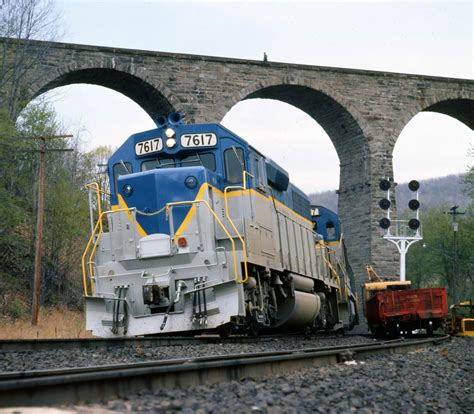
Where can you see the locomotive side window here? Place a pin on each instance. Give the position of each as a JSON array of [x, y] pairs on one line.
[[121, 168], [234, 164], [330, 231], [258, 170], [207, 160], [158, 163]]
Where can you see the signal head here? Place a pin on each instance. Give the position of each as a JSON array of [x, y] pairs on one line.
[[414, 185], [384, 223], [384, 184], [414, 204], [384, 204], [414, 224]]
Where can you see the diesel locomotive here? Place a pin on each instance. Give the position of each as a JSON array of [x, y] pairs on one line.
[[205, 233]]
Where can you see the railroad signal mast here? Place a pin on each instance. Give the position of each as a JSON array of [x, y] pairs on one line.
[[402, 233]]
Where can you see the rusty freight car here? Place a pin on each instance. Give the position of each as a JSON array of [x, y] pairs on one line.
[[394, 308]]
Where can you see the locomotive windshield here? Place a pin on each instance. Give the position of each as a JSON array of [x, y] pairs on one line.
[[121, 168], [158, 163], [234, 165], [206, 160]]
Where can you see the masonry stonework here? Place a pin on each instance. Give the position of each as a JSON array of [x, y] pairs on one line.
[[363, 112]]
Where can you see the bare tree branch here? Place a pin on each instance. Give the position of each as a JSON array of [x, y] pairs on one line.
[[20, 21]]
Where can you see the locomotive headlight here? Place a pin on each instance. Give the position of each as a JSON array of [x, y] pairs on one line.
[[127, 190], [191, 182], [170, 142], [170, 133]]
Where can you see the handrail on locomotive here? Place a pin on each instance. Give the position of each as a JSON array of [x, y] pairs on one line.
[[97, 230]]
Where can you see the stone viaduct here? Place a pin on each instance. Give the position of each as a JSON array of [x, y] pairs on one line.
[[363, 112]]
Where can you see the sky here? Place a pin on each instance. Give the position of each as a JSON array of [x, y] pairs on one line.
[[425, 37]]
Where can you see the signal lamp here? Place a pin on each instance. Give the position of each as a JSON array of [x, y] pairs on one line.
[[182, 242], [170, 142], [384, 204], [127, 190], [384, 184], [414, 204], [414, 185], [414, 224], [384, 223]]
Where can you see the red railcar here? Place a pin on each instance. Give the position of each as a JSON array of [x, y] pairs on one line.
[[397, 311]]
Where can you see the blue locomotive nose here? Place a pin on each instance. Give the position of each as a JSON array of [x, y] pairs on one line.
[[150, 191]]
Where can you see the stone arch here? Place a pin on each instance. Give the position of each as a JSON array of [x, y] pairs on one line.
[[344, 126], [461, 109], [153, 97], [323, 105], [459, 106], [346, 129]]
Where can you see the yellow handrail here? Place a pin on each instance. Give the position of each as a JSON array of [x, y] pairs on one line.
[[84, 273], [94, 248], [244, 248], [244, 174], [177, 203], [92, 186], [97, 191], [335, 275]]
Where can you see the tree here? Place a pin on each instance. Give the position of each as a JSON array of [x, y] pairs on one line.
[[66, 228], [20, 22], [431, 262], [469, 178], [95, 162]]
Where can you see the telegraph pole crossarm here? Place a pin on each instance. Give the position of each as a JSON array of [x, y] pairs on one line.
[[39, 221]]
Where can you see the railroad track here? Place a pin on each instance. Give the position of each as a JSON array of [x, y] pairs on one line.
[[78, 385], [90, 343]]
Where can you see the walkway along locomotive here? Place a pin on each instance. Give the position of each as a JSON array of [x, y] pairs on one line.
[[204, 232]]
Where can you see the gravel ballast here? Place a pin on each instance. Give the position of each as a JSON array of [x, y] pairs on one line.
[[66, 358], [432, 380]]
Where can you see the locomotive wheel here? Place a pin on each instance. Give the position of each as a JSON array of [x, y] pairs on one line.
[[225, 330], [253, 329]]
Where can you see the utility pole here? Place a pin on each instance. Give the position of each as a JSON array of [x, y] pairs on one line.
[[453, 211], [39, 222]]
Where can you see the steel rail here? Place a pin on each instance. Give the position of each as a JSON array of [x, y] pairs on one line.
[[91, 343], [78, 385], [17, 345]]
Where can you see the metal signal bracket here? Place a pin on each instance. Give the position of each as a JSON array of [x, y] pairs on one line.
[[405, 232]]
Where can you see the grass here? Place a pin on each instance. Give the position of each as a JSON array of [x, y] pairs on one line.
[[53, 323]]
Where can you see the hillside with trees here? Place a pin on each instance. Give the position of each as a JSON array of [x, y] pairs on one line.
[[434, 193], [66, 218]]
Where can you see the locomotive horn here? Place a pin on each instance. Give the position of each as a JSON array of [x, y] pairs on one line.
[[160, 121], [175, 118]]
